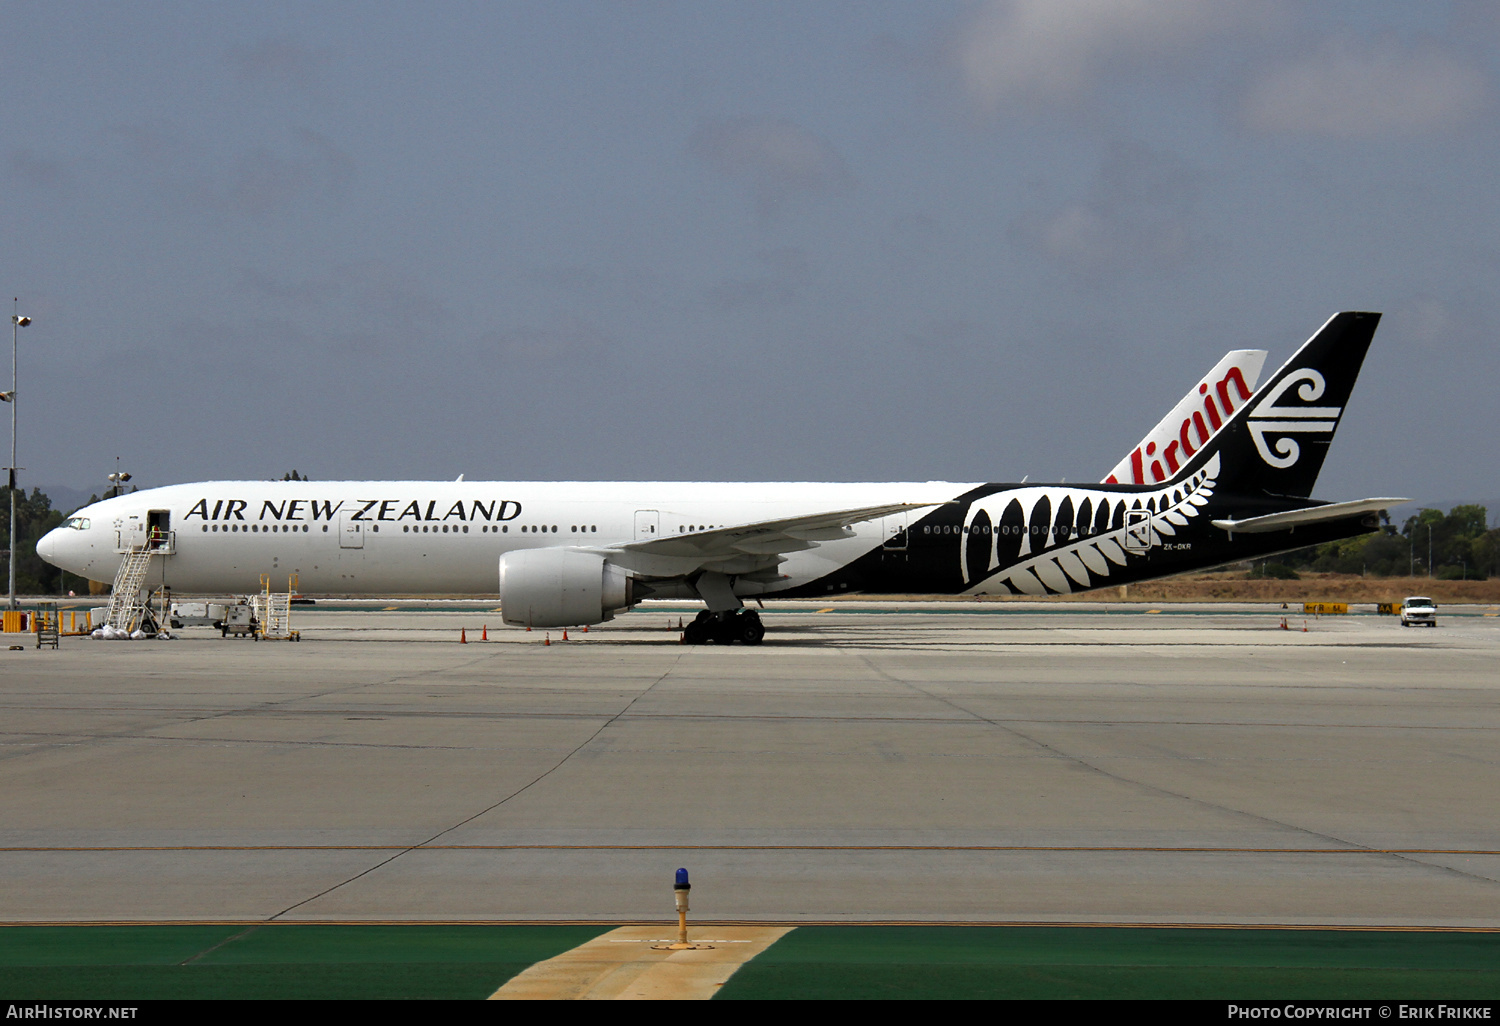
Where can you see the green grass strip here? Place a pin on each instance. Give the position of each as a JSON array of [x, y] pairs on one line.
[[107, 945], [1109, 962], [257, 982], [843, 981], [273, 961], [286, 960]]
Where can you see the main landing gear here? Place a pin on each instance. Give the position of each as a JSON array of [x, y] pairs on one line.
[[741, 625]]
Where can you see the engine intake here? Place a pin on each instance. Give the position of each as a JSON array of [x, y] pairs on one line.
[[561, 588]]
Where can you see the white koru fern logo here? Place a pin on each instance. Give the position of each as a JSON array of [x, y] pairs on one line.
[[1057, 561], [1270, 418]]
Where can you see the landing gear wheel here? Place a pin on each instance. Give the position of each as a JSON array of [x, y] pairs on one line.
[[726, 629], [742, 625], [750, 629]]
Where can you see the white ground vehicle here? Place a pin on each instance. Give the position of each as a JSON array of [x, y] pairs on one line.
[[1418, 610]]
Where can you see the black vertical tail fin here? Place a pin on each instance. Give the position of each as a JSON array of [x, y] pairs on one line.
[[1275, 444]]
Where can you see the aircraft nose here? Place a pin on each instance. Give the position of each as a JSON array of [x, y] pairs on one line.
[[48, 546]]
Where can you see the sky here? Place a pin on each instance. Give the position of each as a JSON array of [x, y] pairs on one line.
[[761, 240]]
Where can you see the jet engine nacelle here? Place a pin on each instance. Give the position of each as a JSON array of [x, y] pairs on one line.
[[560, 588]]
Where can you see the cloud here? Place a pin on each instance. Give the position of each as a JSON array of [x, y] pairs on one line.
[[1138, 217], [1021, 51], [779, 160], [280, 60], [1350, 90]]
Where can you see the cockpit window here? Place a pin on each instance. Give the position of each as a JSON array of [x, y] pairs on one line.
[[77, 523]]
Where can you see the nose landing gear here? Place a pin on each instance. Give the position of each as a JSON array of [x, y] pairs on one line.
[[742, 625]]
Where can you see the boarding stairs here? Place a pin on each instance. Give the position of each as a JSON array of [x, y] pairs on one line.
[[273, 610], [127, 602]]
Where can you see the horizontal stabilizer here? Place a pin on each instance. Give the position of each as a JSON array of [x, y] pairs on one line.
[[1311, 515]]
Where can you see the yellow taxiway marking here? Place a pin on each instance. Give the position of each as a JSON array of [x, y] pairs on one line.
[[622, 965], [828, 610]]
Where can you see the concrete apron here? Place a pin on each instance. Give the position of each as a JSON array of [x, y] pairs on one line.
[[623, 965]]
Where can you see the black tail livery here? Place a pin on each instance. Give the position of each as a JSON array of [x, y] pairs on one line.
[[1242, 495]]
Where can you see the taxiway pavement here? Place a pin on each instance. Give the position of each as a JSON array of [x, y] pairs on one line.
[[880, 762]]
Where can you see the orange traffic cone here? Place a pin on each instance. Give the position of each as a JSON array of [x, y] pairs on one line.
[[565, 634], [585, 628], [682, 639], [486, 635], [1304, 626], [462, 639], [528, 628], [548, 639]]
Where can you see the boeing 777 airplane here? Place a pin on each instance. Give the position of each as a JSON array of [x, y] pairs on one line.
[[1226, 477]]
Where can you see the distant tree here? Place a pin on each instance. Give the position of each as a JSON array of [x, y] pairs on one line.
[[1303, 558], [1382, 554], [1451, 538], [34, 518], [1486, 551], [293, 476], [1467, 521]]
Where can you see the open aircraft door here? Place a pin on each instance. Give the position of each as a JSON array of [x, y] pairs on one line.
[[159, 530]]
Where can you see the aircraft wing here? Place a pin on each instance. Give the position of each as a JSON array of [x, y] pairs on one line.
[[745, 548], [1311, 515]]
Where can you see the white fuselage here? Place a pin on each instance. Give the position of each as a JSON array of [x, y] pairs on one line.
[[426, 537]]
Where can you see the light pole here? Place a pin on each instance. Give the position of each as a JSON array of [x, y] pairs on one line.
[[17, 322], [118, 478]]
